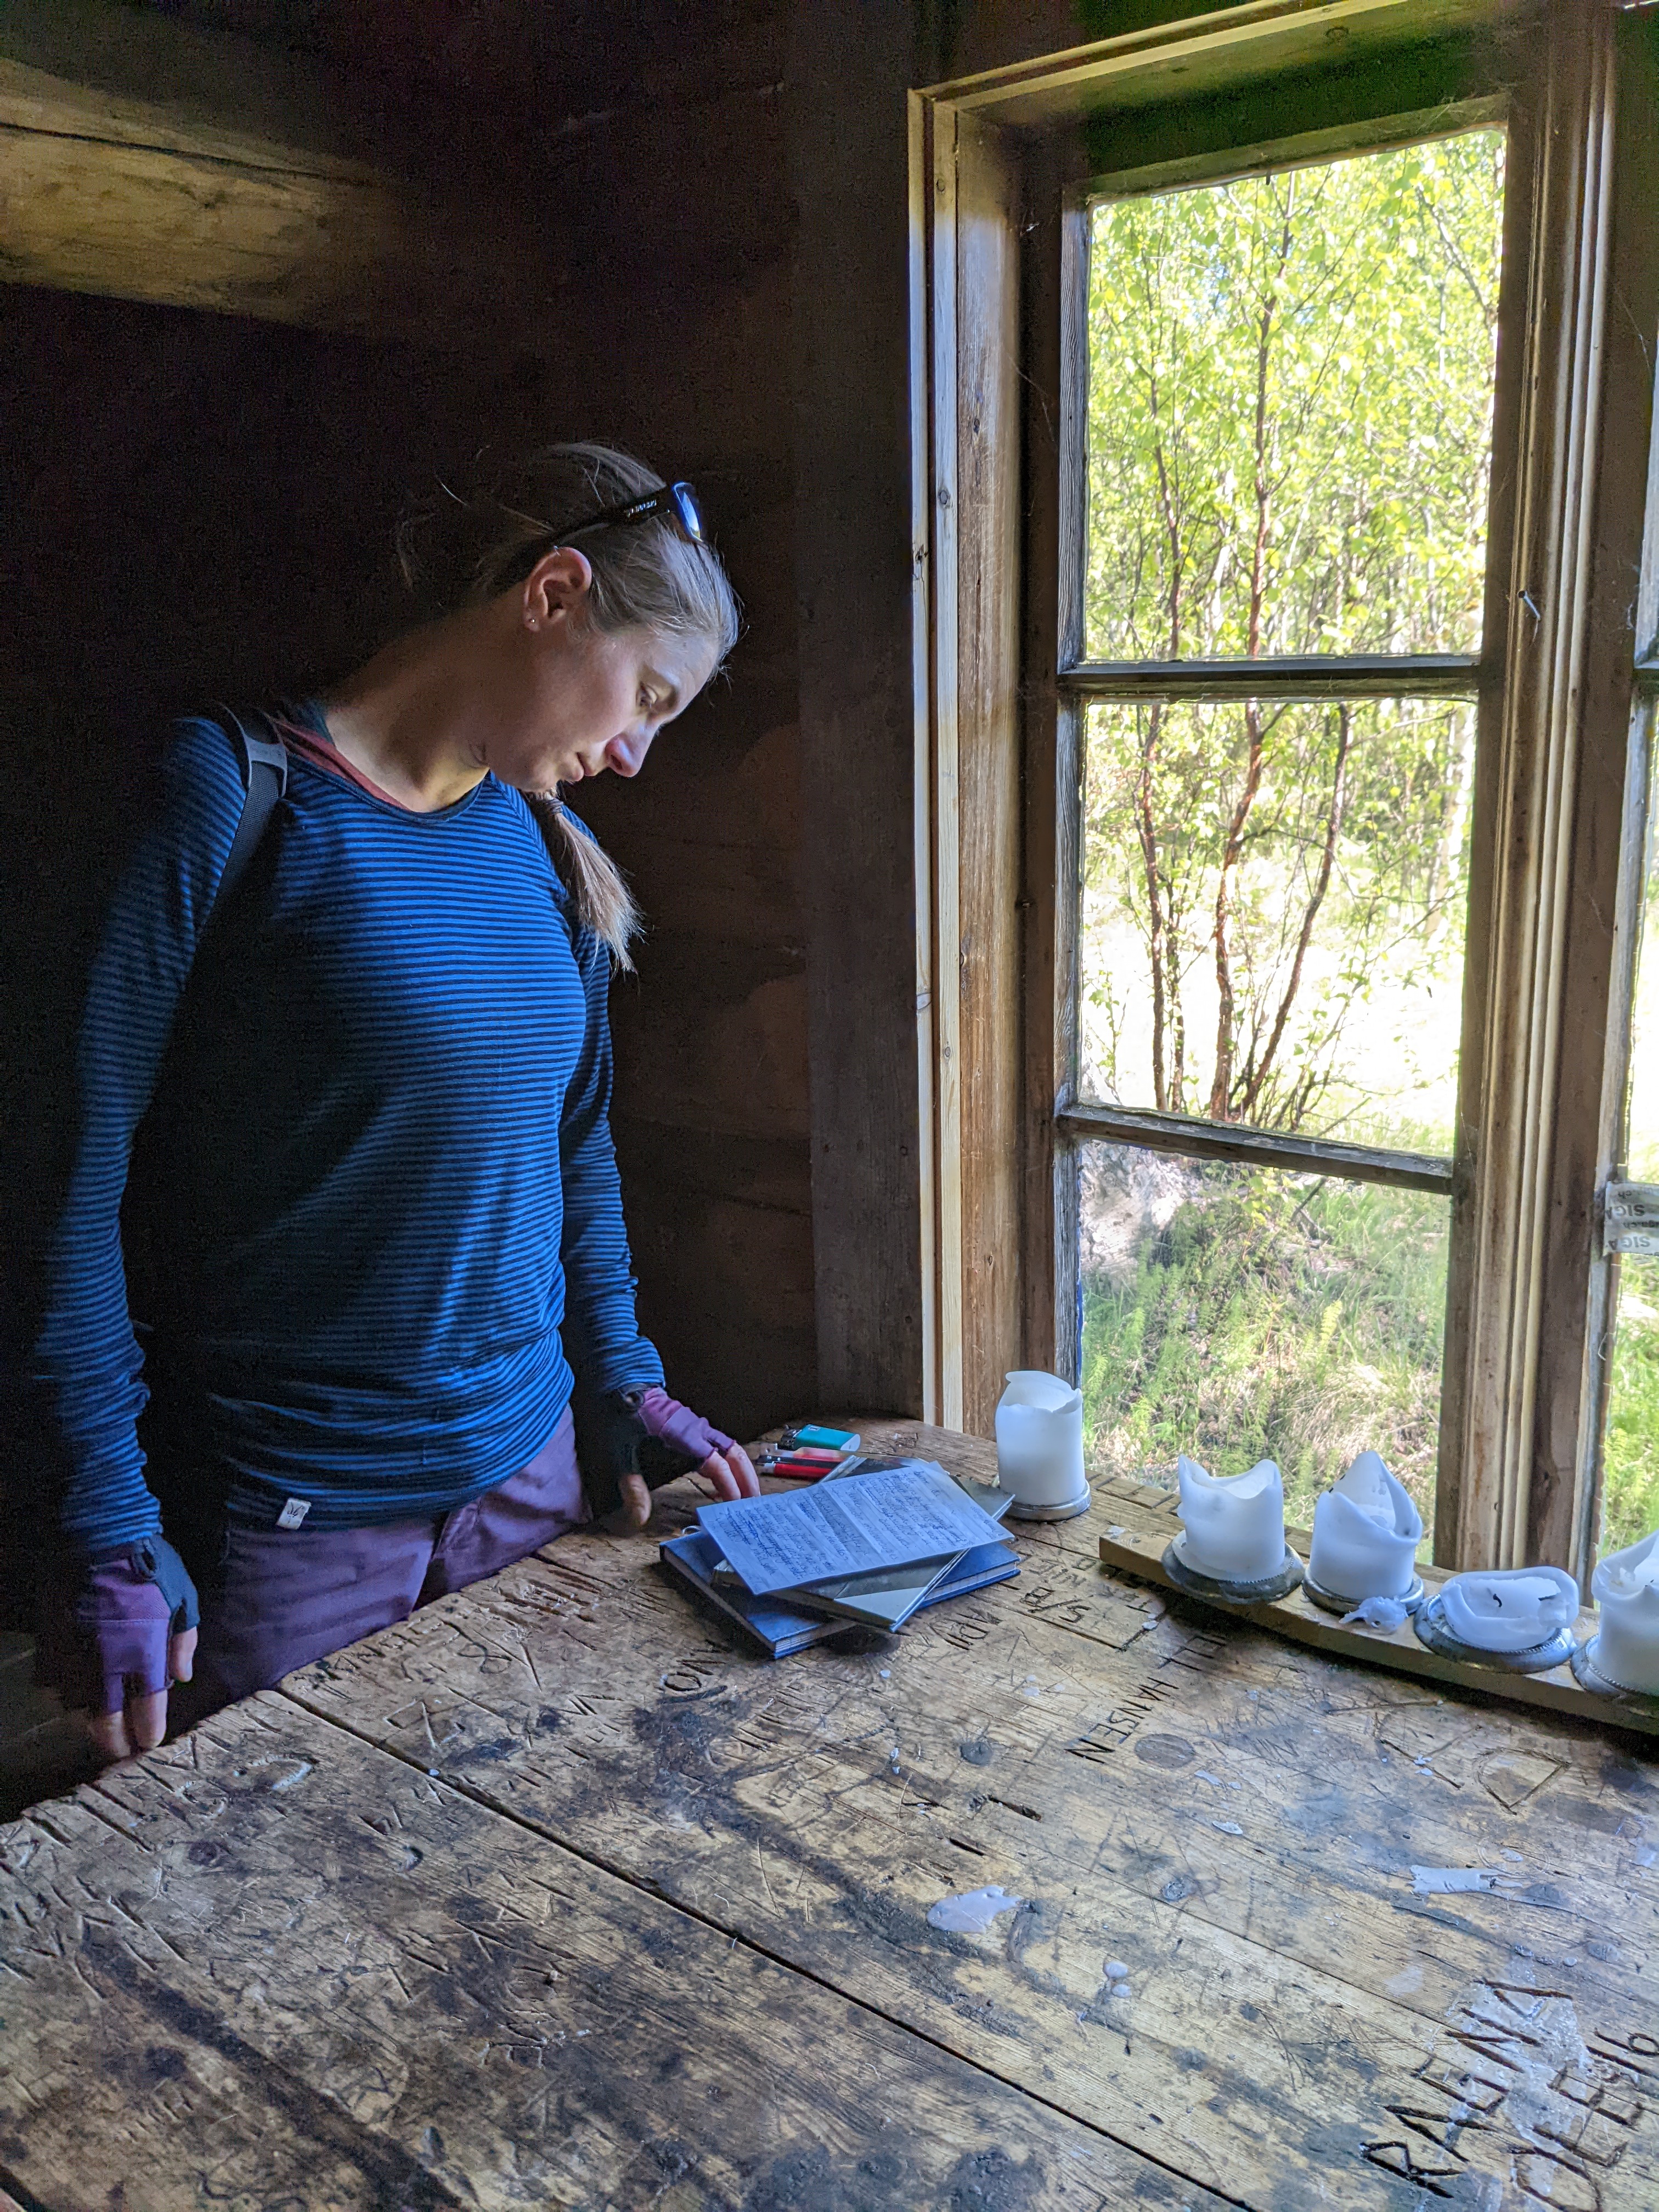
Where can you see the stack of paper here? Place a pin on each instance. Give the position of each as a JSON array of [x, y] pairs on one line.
[[872, 1544]]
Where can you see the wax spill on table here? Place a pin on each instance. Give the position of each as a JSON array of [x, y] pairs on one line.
[[1444, 1881], [1376, 1612], [972, 1911], [1227, 1827]]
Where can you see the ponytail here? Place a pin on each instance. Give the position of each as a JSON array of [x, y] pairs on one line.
[[598, 887]]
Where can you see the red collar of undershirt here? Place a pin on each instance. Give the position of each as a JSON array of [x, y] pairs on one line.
[[322, 752]]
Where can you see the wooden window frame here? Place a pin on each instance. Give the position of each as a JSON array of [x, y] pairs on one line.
[[1563, 689]]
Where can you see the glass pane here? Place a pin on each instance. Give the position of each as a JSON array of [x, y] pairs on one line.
[[1630, 1493], [1630, 1452], [1643, 1145], [1290, 408], [1238, 1314], [1273, 900]]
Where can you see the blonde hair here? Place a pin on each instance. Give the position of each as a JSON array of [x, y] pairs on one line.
[[461, 547]]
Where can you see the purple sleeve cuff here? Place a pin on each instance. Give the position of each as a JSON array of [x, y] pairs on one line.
[[677, 1424]]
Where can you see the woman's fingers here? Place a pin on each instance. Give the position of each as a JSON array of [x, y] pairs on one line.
[[731, 1473], [181, 1655], [636, 1500], [744, 1467], [147, 1716], [715, 1471], [143, 1723], [108, 1732]]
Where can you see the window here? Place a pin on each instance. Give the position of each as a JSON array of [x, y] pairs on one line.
[[1280, 1071], [1289, 430]]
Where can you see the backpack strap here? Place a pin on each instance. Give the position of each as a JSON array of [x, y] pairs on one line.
[[264, 772]]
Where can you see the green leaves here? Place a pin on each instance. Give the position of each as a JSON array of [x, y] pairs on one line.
[[1270, 1316], [1290, 408], [1289, 440]]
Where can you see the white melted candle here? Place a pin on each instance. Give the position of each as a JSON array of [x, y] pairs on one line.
[[1039, 1432], [1625, 1587], [1365, 1533], [1511, 1611], [1232, 1530]]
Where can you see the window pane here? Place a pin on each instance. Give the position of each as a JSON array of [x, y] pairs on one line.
[[1643, 1145], [1273, 901], [1630, 1495], [1629, 1459], [1290, 408], [1238, 1314]]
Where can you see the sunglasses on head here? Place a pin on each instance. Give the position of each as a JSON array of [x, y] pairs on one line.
[[677, 500]]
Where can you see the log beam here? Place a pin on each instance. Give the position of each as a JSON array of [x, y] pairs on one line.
[[197, 199]]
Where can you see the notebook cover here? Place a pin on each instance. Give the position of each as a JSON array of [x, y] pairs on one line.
[[778, 1630]]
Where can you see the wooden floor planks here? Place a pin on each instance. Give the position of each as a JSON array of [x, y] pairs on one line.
[[321, 1929]]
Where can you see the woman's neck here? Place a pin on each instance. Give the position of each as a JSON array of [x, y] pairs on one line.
[[413, 718]]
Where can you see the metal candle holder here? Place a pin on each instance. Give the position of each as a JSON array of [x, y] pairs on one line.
[[1260, 1592], [1432, 1631], [1589, 1676], [1021, 1510], [1333, 1602]]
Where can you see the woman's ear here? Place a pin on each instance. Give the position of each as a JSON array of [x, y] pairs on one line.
[[557, 586]]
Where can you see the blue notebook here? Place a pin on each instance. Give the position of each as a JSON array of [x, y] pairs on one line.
[[781, 1629]]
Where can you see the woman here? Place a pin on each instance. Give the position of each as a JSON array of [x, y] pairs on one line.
[[343, 1161]]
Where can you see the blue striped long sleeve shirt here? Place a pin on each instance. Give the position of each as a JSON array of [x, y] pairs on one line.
[[345, 1160]]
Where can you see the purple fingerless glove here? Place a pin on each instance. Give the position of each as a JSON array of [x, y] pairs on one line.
[[104, 1632], [643, 1432], [665, 1418]]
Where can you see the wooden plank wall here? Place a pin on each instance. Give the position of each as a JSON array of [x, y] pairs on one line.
[[685, 355]]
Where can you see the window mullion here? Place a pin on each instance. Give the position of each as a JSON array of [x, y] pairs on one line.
[[1358, 676], [1219, 1140]]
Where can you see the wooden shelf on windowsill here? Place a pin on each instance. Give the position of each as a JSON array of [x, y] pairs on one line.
[[1136, 1550]]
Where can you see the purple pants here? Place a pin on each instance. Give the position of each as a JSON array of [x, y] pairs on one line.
[[277, 1599]]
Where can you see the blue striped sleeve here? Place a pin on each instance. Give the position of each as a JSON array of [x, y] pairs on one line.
[[601, 1338], [86, 1367]]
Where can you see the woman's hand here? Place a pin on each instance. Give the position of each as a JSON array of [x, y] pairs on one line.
[[115, 1634], [140, 1722], [731, 1472]]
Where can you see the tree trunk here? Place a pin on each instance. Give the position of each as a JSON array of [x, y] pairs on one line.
[[1333, 813], [1221, 1087]]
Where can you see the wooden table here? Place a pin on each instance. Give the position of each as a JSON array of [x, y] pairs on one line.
[[557, 1896]]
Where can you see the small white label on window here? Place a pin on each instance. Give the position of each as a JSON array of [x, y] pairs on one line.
[[294, 1511]]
